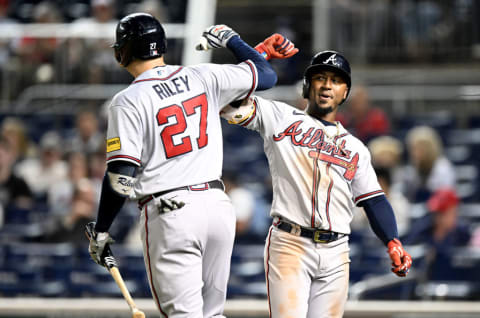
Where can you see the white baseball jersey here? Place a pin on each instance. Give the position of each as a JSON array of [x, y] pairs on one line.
[[319, 171], [167, 123]]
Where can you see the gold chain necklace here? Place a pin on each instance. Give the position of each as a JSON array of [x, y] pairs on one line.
[[332, 138]]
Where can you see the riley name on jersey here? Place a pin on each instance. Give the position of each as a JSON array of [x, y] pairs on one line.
[[176, 85]]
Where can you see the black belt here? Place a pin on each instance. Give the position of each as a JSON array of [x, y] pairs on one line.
[[215, 184], [318, 236]]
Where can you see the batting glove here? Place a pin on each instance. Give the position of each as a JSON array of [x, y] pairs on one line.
[[215, 37], [401, 260], [98, 243], [276, 46], [168, 205]]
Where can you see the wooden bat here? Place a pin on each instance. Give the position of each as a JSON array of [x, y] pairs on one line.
[[111, 264], [136, 313]]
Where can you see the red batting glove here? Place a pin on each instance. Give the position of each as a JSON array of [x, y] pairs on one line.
[[276, 46], [401, 260]]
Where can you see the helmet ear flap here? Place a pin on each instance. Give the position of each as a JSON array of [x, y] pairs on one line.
[[124, 54], [305, 88]]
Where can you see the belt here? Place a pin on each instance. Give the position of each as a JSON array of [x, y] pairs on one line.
[[215, 184], [318, 236]]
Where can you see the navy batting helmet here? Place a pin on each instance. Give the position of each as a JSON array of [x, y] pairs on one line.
[[139, 35], [327, 60]]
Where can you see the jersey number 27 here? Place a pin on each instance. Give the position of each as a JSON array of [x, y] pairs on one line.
[[189, 107]]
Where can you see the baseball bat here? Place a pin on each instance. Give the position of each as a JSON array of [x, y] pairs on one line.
[[136, 313], [111, 264]]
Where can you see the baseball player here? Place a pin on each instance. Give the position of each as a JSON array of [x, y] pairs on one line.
[[164, 149], [319, 173]]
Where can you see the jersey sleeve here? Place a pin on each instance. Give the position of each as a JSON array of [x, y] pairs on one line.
[[226, 83], [124, 133], [365, 183], [257, 114]]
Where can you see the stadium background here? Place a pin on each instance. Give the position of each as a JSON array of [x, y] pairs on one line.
[[417, 61]]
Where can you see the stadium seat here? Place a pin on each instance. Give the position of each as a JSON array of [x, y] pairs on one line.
[[19, 281], [20, 233], [447, 290]]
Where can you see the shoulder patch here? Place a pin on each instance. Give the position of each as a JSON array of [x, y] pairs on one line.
[[113, 144]]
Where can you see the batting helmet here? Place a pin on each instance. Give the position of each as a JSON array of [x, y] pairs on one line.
[[327, 60], [139, 35]]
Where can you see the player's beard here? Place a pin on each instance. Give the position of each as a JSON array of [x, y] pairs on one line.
[[318, 111]]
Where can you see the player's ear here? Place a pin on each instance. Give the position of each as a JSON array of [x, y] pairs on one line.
[[345, 94]]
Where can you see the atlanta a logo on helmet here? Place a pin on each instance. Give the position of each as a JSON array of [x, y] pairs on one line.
[[332, 60]]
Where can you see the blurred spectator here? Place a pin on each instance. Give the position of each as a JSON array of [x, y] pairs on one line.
[[400, 205], [102, 66], [369, 28], [251, 212], [441, 231], [386, 155], [425, 24], [37, 55], [383, 33], [155, 8], [15, 133], [428, 168], [14, 191], [86, 136], [60, 193], [475, 240], [74, 53], [5, 49], [4, 7], [243, 201], [70, 226], [102, 11], [362, 118], [386, 152], [286, 69], [96, 171], [346, 13], [46, 170], [397, 200]]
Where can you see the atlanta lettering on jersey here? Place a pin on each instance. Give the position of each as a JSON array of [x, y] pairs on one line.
[[172, 87], [315, 139]]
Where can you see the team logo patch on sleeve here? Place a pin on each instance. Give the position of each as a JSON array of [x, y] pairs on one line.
[[113, 144]]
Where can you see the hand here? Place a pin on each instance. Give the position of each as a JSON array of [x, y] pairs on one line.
[[215, 37], [168, 205], [276, 46], [401, 260], [98, 243]]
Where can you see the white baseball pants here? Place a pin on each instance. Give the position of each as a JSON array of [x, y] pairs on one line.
[[187, 253], [305, 279]]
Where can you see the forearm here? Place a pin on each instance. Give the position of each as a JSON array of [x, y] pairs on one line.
[[110, 204], [381, 218], [111, 198], [267, 77]]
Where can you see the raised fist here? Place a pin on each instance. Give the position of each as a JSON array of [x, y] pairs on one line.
[[276, 46]]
